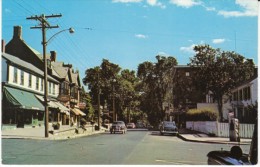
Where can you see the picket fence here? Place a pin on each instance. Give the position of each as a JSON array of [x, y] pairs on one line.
[[220, 129]]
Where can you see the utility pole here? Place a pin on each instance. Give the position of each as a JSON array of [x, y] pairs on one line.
[[114, 114], [98, 101], [43, 26]]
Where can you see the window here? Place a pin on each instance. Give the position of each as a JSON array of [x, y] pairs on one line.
[[30, 81], [235, 96], [64, 88], [15, 75], [22, 78], [37, 83], [41, 84], [187, 74], [241, 94], [246, 93], [53, 88], [49, 87]]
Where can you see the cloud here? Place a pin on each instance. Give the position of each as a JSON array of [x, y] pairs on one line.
[[218, 41], [126, 1], [149, 2], [155, 3], [141, 36], [250, 8], [188, 49], [186, 3]]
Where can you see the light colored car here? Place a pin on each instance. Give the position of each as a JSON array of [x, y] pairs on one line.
[[118, 126], [130, 125], [168, 127]]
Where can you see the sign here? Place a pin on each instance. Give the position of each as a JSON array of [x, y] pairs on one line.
[[63, 98]]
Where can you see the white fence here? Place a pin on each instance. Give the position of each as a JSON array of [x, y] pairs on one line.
[[220, 129]]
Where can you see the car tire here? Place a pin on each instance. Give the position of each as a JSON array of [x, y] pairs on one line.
[[161, 133]]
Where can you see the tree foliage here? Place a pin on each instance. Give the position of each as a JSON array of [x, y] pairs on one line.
[[111, 82], [219, 71], [156, 86]]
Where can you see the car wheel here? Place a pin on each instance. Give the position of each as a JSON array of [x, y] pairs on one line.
[[161, 133]]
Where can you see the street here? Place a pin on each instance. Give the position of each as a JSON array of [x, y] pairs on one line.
[[136, 147]]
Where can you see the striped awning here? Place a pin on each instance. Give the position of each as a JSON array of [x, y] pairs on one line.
[[22, 99], [77, 111]]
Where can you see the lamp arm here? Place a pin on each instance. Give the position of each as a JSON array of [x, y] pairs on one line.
[[70, 30], [55, 35]]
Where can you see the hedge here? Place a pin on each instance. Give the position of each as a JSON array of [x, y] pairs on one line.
[[203, 114]]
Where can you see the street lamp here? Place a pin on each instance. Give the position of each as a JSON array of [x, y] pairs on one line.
[[44, 44]]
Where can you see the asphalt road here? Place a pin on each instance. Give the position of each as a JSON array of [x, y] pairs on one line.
[[132, 148]]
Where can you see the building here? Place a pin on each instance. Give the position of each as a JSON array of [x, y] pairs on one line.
[[243, 96], [22, 90], [67, 82]]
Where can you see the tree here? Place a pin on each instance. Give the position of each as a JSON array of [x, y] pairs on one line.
[[219, 71], [156, 86], [107, 76]]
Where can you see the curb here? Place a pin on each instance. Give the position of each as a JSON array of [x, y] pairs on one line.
[[53, 137], [213, 142]]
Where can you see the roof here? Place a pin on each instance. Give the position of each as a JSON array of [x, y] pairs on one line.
[[60, 69], [25, 65]]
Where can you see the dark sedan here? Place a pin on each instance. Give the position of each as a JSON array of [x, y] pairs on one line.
[[168, 127]]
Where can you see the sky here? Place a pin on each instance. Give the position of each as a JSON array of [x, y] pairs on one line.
[[130, 32]]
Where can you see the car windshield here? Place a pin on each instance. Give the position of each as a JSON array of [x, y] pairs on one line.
[[169, 124]]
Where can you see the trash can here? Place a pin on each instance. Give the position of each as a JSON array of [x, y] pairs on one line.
[[234, 130]]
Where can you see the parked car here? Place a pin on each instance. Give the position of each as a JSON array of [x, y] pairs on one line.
[[235, 156], [118, 126], [140, 125], [168, 127], [130, 125]]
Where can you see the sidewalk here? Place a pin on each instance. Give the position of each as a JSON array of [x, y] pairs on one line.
[[65, 132], [193, 136]]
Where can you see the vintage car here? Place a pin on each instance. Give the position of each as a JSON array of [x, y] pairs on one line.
[[168, 127], [118, 126], [235, 156], [130, 125]]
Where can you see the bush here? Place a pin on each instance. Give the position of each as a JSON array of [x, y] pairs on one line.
[[204, 114]]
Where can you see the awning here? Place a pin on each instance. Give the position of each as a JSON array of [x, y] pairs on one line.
[[77, 111], [22, 99], [55, 104], [62, 108]]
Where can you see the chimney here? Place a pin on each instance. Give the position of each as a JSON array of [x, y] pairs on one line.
[[17, 32], [3, 46], [53, 56]]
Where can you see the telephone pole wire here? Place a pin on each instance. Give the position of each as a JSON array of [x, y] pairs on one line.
[[44, 24]]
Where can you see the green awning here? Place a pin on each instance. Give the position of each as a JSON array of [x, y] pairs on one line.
[[22, 99]]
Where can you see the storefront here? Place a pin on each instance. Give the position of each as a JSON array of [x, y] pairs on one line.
[[21, 109], [76, 115]]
